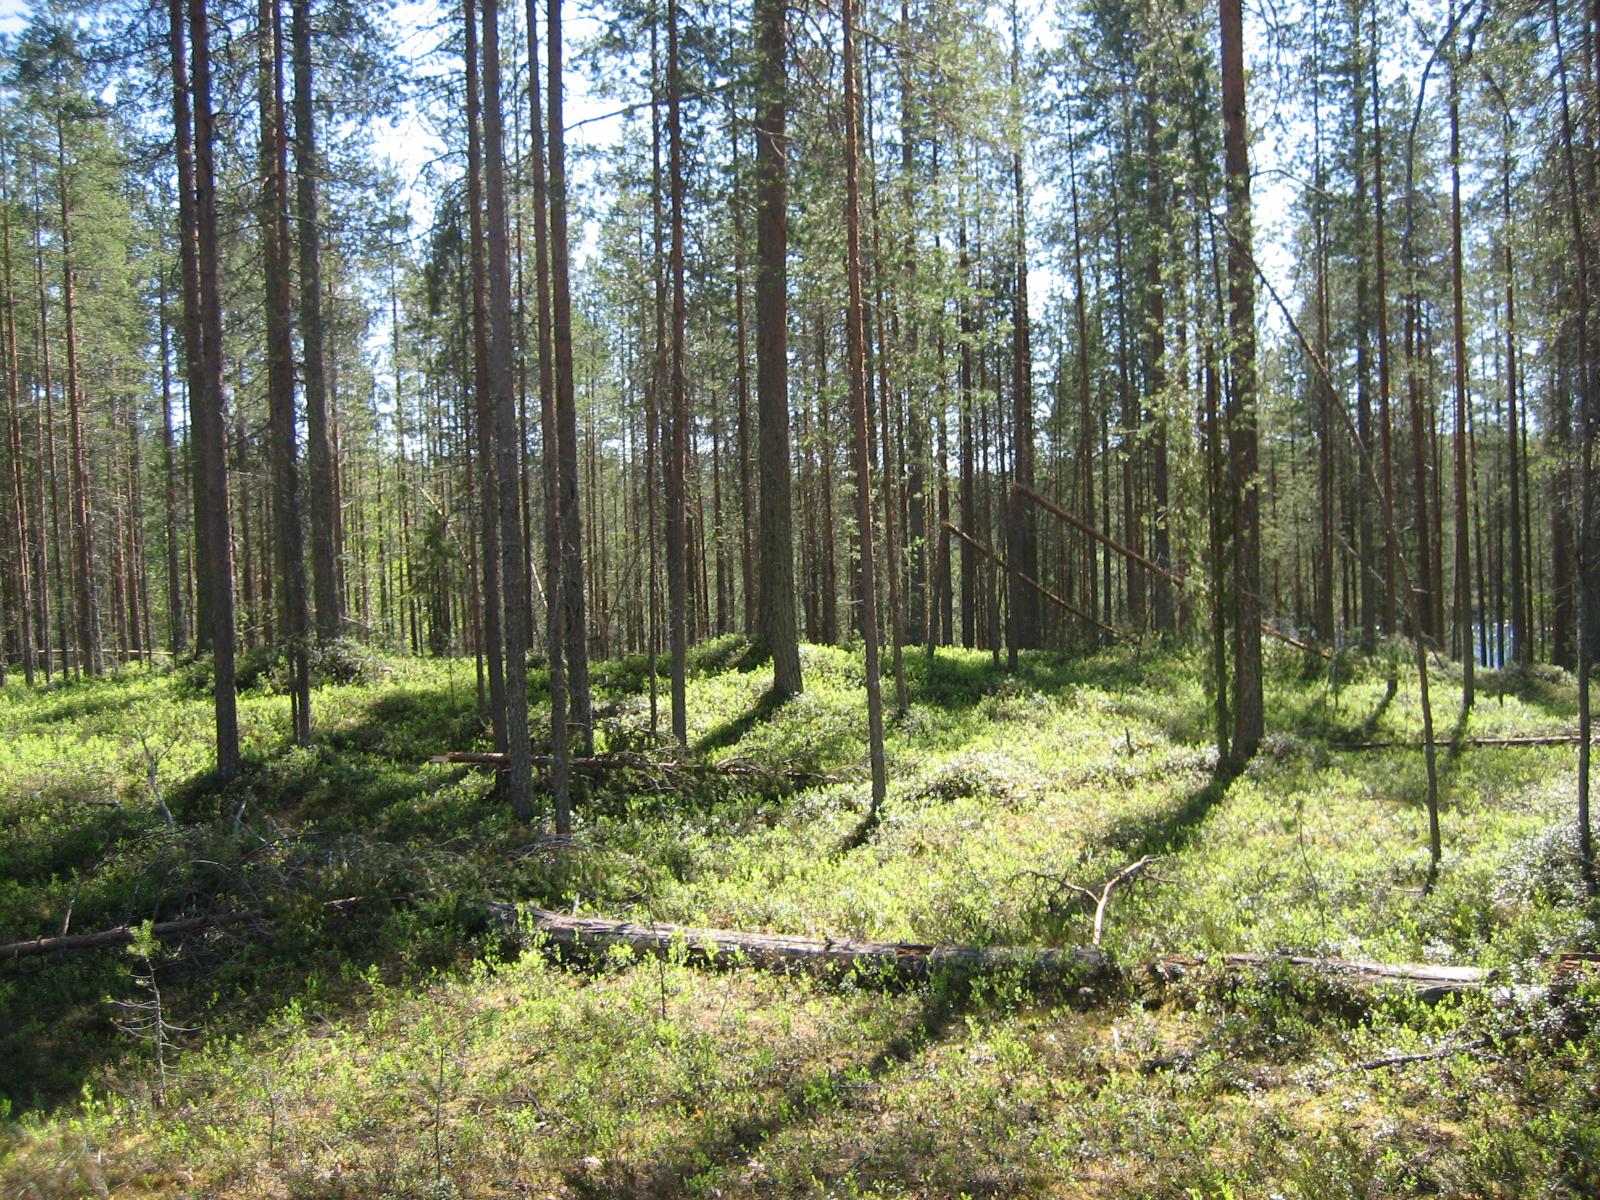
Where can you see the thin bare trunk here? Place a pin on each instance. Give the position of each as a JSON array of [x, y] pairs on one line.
[[856, 338]]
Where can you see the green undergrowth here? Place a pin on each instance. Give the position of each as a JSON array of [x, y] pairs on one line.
[[361, 1030]]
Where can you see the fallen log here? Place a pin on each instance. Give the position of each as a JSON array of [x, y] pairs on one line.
[[121, 935], [1087, 967], [1429, 980], [889, 962], [894, 964]]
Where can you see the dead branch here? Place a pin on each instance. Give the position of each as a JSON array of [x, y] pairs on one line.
[[1102, 898], [1031, 582], [1449, 1051], [122, 934]]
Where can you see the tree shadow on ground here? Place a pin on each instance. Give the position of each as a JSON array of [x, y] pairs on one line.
[[1171, 831], [733, 730], [962, 680], [356, 814], [674, 1172], [863, 831]]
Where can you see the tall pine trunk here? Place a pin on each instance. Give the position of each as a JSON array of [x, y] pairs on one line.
[[91, 655], [288, 528], [494, 612], [856, 338], [319, 445], [555, 607], [1463, 584], [208, 404], [21, 582], [575, 622], [1248, 715], [678, 413], [779, 633], [518, 780]]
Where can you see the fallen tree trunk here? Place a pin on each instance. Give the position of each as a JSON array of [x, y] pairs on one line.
[[1429, 980], [121, 935], [1027, 579], [1135, 557], [892, 964], [889, 962]]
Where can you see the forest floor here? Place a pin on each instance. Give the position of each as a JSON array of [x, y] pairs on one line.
[[403, 1046]]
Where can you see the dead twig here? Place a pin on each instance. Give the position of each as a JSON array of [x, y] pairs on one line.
[[1101, 899], [1475, 1046]]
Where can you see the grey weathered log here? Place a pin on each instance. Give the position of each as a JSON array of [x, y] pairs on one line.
[[1429, 980], [890, 962]]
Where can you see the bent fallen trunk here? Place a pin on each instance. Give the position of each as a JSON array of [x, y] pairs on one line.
[[886, 962], [896, 964]]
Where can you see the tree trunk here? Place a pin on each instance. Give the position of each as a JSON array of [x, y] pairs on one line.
[[1157, 199], [518, 781], [575, 625], [207, 404], [678, 422], [1521, 621], [288, 528], [1463, 585], [90, 651], [1022, 526], [1588, 557], [319, 446], [21, 581], [1086, 424], [778, 633], [1248, 714], [484, 413], [857, 339], [555, 607], [1380, 284]]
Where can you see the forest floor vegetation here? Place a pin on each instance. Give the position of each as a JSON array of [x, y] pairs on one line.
[[367, 1031]]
